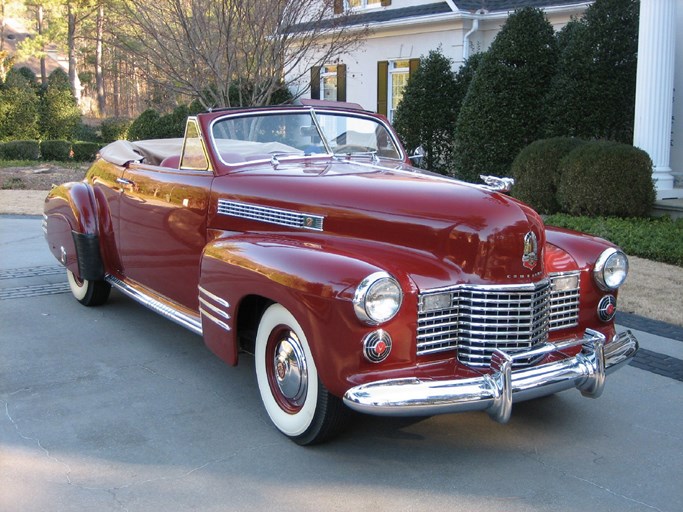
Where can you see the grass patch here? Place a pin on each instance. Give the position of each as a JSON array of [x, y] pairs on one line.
[[70, 164], [654, 238], [13, 184]]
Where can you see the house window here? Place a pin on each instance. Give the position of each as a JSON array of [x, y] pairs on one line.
[[328, 83], [399, 71], [362, 4], [392, 77]]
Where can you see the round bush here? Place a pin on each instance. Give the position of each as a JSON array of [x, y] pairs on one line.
[[115, 128], [146, 126], [536, 172], [606, 179], [59, 150]]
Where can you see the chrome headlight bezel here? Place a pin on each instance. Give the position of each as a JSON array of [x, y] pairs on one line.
[[374, 289], [611, 269]]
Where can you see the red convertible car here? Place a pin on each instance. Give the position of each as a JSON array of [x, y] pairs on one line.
[[302, 235]]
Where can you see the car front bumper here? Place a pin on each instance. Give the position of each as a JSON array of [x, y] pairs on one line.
[[495, 392]]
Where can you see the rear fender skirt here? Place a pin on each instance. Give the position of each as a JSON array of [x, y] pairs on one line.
[[90, 264], [74, 204]]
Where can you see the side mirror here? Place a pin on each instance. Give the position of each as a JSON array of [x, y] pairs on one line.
[[418, 155]]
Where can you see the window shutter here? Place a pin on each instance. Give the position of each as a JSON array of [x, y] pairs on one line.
[[338, 6], [382, 86], [386, 3], [412, 66], [341, 82], [315, 83]]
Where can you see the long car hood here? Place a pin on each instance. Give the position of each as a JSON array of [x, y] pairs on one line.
[[478, 232]]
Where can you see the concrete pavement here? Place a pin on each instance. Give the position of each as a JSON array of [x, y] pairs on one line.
[[115, 408]]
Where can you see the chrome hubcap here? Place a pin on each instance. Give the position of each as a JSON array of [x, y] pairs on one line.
[[289, 367]]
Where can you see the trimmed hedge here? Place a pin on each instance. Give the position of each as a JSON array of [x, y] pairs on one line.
[[55, 150], [536, 172], [85, 151], [20, 150], [606, 179], [658, 239]]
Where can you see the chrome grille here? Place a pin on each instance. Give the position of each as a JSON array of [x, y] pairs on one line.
[[270, 215], [564, 305], [476, 320]]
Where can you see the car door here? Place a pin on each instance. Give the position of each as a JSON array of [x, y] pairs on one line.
[[162, 225]]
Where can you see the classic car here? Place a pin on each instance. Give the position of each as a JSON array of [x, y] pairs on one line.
[[303, 236]]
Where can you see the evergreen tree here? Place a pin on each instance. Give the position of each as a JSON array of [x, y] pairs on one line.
[[503, 110], [59, 113], [593, 92], [427, 113], [19, 105]]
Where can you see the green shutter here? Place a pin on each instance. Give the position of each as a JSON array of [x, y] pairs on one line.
[[382, 86], [386, 3], [412, 66], [315, 83], [338, 6], [341, 82]]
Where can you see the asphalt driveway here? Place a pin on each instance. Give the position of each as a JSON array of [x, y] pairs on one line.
[[114, 408]]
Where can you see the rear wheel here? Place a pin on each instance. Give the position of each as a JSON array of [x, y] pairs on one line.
[[295, 399], [88, 293]]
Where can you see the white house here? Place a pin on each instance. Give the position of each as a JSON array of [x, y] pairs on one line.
[[375, 73]]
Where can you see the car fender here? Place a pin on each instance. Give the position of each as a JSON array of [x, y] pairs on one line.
[[72, 229], [315, 280]]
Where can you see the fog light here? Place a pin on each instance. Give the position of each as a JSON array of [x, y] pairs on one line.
[[607, 308], [377, 346], [435, 302]]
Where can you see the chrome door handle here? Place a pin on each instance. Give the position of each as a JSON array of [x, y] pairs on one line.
[[124, 181]]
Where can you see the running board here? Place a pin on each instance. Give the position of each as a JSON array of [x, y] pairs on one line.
[[191, 322]]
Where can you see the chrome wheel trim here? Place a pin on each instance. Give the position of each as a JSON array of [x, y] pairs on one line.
[[290, 373]]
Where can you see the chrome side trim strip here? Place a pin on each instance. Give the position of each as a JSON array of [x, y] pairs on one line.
[[215, 320], [495, 392], [214, 297], [166, 310]]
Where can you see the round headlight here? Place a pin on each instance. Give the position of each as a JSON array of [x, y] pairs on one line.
[[611, 269], [377, 298]]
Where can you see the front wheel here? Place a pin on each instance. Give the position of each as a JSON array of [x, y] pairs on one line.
[[88, 293], [295, 399]]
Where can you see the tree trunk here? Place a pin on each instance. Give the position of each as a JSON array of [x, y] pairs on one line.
[[73, 61], [99, 76], [43, 65]]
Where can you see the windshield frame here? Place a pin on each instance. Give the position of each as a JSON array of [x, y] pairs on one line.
[[312, 111]]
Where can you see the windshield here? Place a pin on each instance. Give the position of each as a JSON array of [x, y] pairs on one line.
[[261, 136]]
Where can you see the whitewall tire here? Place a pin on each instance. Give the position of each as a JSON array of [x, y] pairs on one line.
[[295, 400]]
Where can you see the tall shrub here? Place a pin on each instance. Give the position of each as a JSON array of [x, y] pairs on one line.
[[427, 113], [19, 106], [59, 113], [503, 109], [593, 91]]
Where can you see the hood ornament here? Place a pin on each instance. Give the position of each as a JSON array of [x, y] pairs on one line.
[[530, 254], [498, 184]]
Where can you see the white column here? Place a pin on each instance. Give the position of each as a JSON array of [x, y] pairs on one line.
[[655, 87]]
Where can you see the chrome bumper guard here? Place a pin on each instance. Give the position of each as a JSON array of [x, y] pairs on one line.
[[496, 392]]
